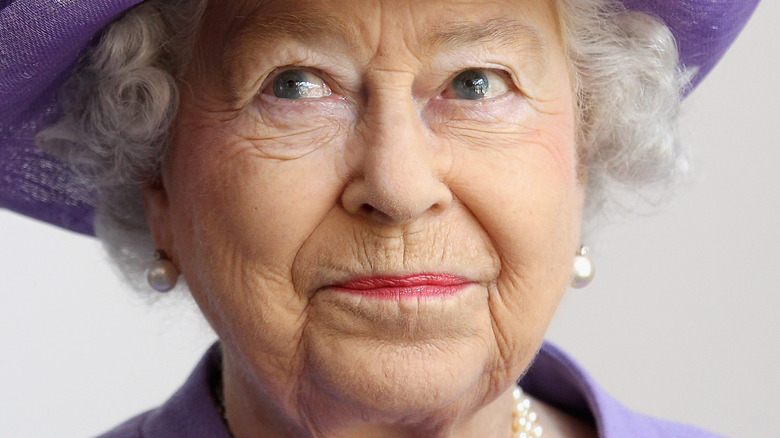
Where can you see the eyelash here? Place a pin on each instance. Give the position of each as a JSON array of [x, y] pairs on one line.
[[504, 83], [270, 85]]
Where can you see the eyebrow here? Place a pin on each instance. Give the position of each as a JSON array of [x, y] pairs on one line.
[[503, 31], [304, 26], [263, 30], [310, 27], [259, 32]]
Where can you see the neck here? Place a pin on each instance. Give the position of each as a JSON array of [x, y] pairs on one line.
[[251, 411]]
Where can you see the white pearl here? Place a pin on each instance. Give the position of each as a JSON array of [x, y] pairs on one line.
[[583, 272], [162, 275], [523, 419]]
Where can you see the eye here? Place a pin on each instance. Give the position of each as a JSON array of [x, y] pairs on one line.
[[298, 84], [476, 84]]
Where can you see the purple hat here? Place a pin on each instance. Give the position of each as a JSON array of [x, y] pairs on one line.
[[40, 41]]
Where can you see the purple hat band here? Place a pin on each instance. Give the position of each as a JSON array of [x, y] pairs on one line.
[[40, 41]]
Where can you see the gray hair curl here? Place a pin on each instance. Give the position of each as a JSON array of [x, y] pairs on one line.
[[121, 101]]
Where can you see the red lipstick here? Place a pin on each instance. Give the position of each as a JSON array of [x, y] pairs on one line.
[[405, 286]]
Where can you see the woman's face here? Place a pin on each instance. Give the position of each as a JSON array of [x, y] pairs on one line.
[[376, 204]]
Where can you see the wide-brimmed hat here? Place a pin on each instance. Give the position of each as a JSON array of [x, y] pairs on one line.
[[41, 41]]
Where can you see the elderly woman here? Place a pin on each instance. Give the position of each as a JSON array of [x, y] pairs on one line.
[[376, 205]]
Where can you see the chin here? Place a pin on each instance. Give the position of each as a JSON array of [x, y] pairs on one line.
[[398, 359], [399, 380]]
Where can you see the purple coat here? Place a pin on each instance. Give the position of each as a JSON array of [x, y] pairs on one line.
[[553, 377]]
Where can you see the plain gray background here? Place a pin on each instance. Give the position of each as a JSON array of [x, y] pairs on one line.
[[681, 321]]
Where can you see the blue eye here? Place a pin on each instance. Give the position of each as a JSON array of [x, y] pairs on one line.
[[475, 84], [471, 84], [299, 84]]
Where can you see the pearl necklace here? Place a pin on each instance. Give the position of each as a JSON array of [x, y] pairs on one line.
[[523, 418]]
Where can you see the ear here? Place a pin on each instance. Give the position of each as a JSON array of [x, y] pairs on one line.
[[158, 218]]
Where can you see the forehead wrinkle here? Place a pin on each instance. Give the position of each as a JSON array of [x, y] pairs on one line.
[[304, 26], [502, 31]]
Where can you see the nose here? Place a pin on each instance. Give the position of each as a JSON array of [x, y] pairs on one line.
[[396, 179]]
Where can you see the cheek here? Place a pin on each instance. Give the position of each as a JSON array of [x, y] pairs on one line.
[[242, 193], [240, 217], [524, 187], [525, 192]]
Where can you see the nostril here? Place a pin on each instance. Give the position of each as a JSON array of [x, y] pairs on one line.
[[369, 211], [387, 200]]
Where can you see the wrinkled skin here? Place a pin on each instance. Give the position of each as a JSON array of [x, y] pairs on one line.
[[382, 169]]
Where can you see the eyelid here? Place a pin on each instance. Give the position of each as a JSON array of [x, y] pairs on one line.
[[267, 83], [507, 79]]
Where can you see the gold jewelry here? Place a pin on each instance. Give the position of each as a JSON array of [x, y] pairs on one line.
[[523, 418]]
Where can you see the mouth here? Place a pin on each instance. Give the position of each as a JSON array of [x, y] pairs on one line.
[[414, 286]]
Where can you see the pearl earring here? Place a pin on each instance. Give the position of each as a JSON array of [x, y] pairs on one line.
[[583, 271], [162, 274]]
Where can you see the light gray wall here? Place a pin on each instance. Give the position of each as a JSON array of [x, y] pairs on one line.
[[683, 317], [681, 321]]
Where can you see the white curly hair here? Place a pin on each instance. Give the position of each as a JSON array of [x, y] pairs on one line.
[[121, 100]]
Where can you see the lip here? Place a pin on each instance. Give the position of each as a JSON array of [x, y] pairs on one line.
[[424, 285]]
